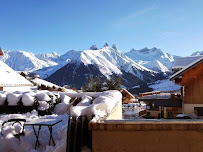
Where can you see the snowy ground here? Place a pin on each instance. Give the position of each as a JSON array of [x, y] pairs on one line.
[[27, 142], [165, 85]]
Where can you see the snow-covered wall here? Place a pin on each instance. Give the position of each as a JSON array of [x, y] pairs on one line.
[[100, 107]]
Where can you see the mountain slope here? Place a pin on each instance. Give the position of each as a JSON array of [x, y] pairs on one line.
[[153, 59], [24, 61], [106, 62], [75, 67]]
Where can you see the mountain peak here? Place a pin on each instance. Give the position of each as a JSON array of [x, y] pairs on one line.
[[144, 50], [55, 54], [154, 48], [132, 50], [106, 44], [93, 47], [114, 47]]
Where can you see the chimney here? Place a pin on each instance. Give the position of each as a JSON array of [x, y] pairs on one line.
[[1, 52]]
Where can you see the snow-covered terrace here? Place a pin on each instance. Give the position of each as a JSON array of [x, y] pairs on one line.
[[101, 105]]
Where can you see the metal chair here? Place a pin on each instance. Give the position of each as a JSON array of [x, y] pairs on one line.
[[14, 121]]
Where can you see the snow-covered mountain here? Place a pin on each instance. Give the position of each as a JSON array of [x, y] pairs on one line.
[[197, 53], [109, 60], [25, 61], [137, 67], [153, 59], [105, 62], [48, 56]]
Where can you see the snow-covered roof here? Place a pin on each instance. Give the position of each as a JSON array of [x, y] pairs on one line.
[[127, 92], [40, 82], [8, 77], [157, 96], [187, 68], [184, 61]]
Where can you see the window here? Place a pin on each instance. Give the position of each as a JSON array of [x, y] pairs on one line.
[[153, 107], [199, 110]]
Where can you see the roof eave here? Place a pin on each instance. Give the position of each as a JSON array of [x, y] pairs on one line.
[[181, 72]]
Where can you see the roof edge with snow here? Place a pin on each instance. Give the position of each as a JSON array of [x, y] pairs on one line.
[[187, 68]]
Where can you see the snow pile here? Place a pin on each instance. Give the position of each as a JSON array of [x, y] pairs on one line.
[[85, 101], [65, 99], [13, 99], [62, 107], [28, 99], [43, 97], [9, 130], [2, 99], [77, 111], [43, 105], [100, 107], [27, 143]]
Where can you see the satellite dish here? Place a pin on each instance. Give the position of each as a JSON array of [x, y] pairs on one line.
[[1, 52]]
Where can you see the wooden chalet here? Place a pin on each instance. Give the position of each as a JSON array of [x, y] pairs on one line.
[[127, 96], [190, 78], [161, 105]]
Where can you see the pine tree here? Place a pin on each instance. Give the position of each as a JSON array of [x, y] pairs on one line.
[[113, 84], [92, 85], [117, 85], [98, 85]]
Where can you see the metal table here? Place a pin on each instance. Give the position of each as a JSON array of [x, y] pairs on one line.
[[43, 122]]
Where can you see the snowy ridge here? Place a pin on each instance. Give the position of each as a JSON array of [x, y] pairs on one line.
[[109, 60], [150, 65], [197, 53], [24, 61], [153, 59], [48, 56], [96, 58]]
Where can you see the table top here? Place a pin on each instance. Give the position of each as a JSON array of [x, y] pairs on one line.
[[43, 122]]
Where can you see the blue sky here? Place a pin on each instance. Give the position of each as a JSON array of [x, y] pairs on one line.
[[40, 26]]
